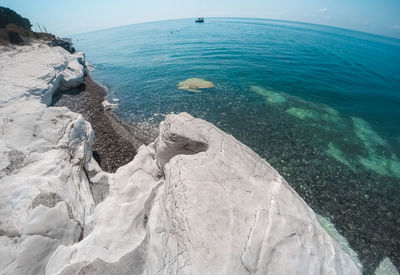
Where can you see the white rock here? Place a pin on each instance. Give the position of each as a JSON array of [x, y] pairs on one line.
[[109, 106], [218, 209], [25, 254], [45, 198], [37, 70], [46, 150], [72, 75]]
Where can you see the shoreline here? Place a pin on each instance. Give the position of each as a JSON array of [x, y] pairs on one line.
[[110, 158], [180, 175], [116, 142], [86, 191]]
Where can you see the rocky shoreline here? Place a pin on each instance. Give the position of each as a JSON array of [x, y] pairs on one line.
[[81, 194], [116, 142]]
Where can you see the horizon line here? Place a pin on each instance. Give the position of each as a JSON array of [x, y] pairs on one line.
[[254, 18]]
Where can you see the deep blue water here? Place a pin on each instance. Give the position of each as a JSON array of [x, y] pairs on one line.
[[321, 104]]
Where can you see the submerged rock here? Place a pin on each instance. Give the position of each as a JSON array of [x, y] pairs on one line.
[[270, 96], [194, 84]]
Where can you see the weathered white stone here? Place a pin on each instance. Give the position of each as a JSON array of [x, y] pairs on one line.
[[46, 150], [37, 70], [198, 201], [194, 201], [26, 254], [72, 75], [45, 198]]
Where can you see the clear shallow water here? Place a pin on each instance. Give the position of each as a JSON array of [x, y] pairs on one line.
[[321, 104]]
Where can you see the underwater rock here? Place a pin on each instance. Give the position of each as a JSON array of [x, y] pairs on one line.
[[270, 96], [379, 157], [302, 113], [340, 156], [194, 84]]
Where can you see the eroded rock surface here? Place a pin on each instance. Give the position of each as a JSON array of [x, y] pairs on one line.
[[37, 71], [45, 197], [195, 201]]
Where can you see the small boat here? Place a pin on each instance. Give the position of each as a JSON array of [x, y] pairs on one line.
[[200, 20]]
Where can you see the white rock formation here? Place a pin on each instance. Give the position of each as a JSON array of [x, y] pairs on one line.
[[37, 71], [196, 201], [45, 196]]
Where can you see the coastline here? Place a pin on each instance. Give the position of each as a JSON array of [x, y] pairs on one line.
[[88, 186], [313, 131], [193, 172], [116, 142]]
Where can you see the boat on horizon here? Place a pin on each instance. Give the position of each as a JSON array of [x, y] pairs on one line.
[[200, 20]]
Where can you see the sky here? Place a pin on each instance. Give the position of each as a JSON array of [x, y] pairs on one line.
[[68, 17]]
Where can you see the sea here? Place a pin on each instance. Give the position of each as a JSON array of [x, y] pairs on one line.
[[320, 104]]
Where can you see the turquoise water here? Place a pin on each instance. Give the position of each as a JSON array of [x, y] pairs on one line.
[[321, 104]]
